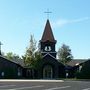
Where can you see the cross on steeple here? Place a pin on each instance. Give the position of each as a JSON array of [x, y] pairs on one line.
[[0, 47], [47, 12]]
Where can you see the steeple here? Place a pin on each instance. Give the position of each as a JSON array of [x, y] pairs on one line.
[[48, 34], [47, 42]]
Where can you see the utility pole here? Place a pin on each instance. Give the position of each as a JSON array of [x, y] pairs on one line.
[[0, 48]]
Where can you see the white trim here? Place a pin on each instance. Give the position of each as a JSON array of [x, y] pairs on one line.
[[49, 55], [48, 52]]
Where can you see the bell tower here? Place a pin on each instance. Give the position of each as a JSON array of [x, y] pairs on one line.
[[47, 42]]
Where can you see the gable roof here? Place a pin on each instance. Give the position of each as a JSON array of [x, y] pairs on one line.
[[49, 55], [48, 34], [76, 62], [5, 59], [52, 59]]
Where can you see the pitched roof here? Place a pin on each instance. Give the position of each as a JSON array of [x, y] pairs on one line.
[[76, 62], [49, 55], [19, 61], [48, 34], [5, 59]]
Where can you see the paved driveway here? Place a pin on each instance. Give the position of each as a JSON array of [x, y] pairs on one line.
[[44, 85]]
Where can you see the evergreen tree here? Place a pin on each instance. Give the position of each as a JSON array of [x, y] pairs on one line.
[[32, 56], [64, 54]]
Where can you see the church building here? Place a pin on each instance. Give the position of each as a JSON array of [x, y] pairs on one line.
[[50, 67]]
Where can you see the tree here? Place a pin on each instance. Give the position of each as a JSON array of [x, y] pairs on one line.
[[31, 56], [64, 54], [11, 56]]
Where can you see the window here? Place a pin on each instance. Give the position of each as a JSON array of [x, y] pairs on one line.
[[47, 48], [80, 67], [19, 72], [2, 74]]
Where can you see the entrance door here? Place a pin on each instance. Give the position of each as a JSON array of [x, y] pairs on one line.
[[47, 72]]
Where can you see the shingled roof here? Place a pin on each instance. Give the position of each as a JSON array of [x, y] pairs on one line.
[[75, 62], [48, 34], [4, 59]]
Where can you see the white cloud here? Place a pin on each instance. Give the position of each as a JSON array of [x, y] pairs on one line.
[[80, 20], [62, 22]]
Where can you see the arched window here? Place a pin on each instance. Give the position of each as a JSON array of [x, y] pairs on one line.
[[47, 48]]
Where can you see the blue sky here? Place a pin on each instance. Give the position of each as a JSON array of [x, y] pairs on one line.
[[70, 21]]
